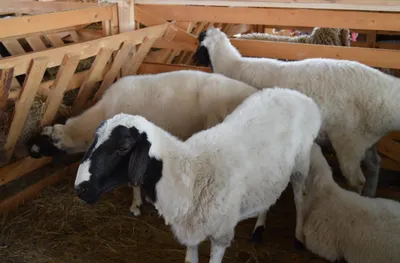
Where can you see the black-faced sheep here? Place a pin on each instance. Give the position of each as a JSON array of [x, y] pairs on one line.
[[205, 185]]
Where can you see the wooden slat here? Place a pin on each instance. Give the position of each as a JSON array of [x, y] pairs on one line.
[[274, 16], [55, 40], [30, 192], [13, 46], [126, 16], [24, 103], [6, 76], [63, 78], [36, 43], [19, 168], [88, 84], [37, 23], [363, 5], [86, 49], [155, 68], [382, 58], [115, 67], [34, 7], [141, 54], [389, 148], [181, 37]]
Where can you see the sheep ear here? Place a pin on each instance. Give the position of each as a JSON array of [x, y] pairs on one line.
[[138, 161]]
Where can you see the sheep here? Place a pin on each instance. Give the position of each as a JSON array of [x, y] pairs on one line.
[[319, 36], [205, 185], [182, 102], [340, 225], [359, 104]]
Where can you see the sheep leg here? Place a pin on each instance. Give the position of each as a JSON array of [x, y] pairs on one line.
[[297, 179], [136, 201], [257, 235], [370, 166], [219, 245], [350, 153], [192, 254]]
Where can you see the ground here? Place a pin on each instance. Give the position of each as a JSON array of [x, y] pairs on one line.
[[57, 227]]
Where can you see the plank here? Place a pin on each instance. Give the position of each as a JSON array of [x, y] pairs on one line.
[[89, 83], [87, 49], [6, 76], [34, 7], [363, 5], [141, 54], [126, 16], [55, 40], [13, 46], [274, 16], [32, 191], [111, 74], [44, 22], [36, 43], [24, 103], [180, 36], [382, 58], [155, 68], [63, 78], [389, 148], [21, 167]]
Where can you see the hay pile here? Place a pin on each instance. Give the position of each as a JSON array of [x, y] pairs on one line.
[[57, 227]]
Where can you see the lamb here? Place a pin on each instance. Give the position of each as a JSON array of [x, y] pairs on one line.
[[182, 102], [340, 225], [205, 185], [359, 104], [319, 36]]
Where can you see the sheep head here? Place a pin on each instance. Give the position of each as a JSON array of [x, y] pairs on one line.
[[118, 155]]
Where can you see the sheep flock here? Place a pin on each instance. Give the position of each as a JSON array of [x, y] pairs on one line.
[[209, 150]]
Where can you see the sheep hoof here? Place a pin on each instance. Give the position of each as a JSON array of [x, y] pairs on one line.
[[257, 236], [135, 211], [298, 244]]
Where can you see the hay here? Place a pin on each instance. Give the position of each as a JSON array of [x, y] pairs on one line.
[[57, 227]]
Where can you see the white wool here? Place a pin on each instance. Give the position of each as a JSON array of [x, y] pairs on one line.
[[359, 104], [233, 170], [339, 224]]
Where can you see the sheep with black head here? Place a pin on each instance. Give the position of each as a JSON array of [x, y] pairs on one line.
[[205, 185]]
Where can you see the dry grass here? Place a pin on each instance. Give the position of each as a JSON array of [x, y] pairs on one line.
[[57, 227]]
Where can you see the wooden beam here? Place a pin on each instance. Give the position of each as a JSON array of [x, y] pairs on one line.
[[274, 16], [37, 23], [126, 15], [17, 169], [382, 58], [111, 74], [63, 78], [24, 103], [155, 68], [178, 35], [360, 5], [32, 191], [140, 55], [35, 7], [90, 81], [86, 49]]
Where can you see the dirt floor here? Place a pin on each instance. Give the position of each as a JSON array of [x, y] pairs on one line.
[[57, 227]]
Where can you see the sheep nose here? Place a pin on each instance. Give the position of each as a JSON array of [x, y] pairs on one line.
[[82, 188]]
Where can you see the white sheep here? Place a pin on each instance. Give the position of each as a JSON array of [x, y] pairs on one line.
[[359, 104], [340, 225], [319, 36], [205, 185], [181, 102]]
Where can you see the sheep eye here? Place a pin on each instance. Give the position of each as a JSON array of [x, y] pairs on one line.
[[123, 150]]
